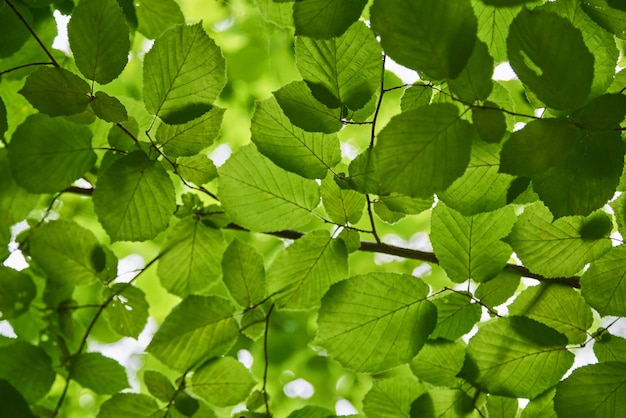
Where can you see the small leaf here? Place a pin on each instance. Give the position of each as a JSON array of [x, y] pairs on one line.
[[325, 19], [373, 322], [415, 97], [196, 329], [456, 315], [183, 74], [489, 122], [598, 225], [59, 149], [475, 81], [610, 347], [27, 368], [156, 16], [56, 91], [129, 405], [244, 273], [499, 289], [159, 385], [343, 206], [128, 311], [603, 285], [17, 291], [99, 39], [439, 362], [442, 403], [222, 382], [134, 198], [108, 108], [185, 404], [14, 32], [393, 207], [608, 15], [192, 137], [198, 169], [502, 407], [98, 373], [305, 111], [392, 397]]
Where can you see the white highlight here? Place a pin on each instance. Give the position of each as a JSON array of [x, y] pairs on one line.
[[504, 72], [220, 154], [299, 388], [245, 358], [344, 407]]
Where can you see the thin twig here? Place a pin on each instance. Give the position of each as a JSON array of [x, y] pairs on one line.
[[19, 67], [379, 103], [370, 213], [266, 358]]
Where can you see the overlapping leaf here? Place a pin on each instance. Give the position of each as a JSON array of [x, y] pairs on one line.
[[156, 16], [439, 362], [443, 403], [17, 291], [603, 285], [392, 397], [325, 18], [610, 347], [128, 311], [192, 137], [99, 373], [28, 368], [305, 111], [493, 27], [342, 205], [474, 82], [607, 15], [456, 315], [222, 382], [56, 91], [130, 405], [244, 273]]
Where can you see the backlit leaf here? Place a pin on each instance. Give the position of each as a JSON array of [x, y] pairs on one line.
[[56, 91], [325, 18], [493, 27], [98, 373], [456, 315], [392, 398], [474, 82], [610, 348], [28, 368], [108, 108], [442, 403], [128, 311], [305, 111], [606, 15], [603, 285], [499, 289], [130, 405], [342, 205], [489, 123], [198, 169], [159, 385], [14, 32], [439, 362], [222, 382], [244, 273], [14, 403], [155, 16], [192, 137], [17, 290]]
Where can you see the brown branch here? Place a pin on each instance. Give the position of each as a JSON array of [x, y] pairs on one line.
[[19, 67], [267, 362]]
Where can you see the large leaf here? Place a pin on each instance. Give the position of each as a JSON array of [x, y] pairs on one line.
[[99, 39], [516, 357], [192, 137], [183, 74], [325, 18], [553, 249], [56, 91], [423, 151], [98, 373], [128, 311], [434, 37], [222, 382], [341, 71], [303, 272], [597, 390], [260, 196], [60, 150], [309, 154], [549, 55], [559, 307], [603, 285], [129, 405], [68, 253], [244, 273], [134, 198], [392, 398], [470, 247], [198, 328], [28, 368], [373, 322], [156, 16], [17, 291], [191, 257]]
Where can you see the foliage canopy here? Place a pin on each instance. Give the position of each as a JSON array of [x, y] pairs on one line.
[[440, 248]]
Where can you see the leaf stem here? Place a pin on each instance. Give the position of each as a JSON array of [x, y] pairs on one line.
[[266, 359], [19, 67], [380, 101], [371, 216]]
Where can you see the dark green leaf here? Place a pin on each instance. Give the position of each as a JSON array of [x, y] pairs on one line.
[[98, 373], [128, 311], [60, 150], [305, 111], [302, 273], [159, 385], [493, 27], [439, 362], [549, 55], [108, 108], [607, 15], [434, 37], [3, 118], [260, 196], [183, 74], [341, 71], [392, 398], [129, 405], [610, 347], [13, 403], [603, 285], [244, 273], [192, 137], [325, 18], [196, 329], [516, 357], [490, 122], [309, 154], [14, 32], [99, 39], [604, 113], [191, 257], [393, 207], [506, 3], [411, 148], [222, 382], [156, 16], [373, 322], [134, 198], [56, 91], [456, 315], [442, 403], [17, 291], [474, 82], [598, 225], [28, 368], [185, 404], [595, 390]]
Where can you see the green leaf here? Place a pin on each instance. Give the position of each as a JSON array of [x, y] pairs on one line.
[[303, 272], [553, 249], [499, 289], [27, 368], [312, 412], [99, 38], [309, 154], [159, 385], [3, 118], [434, 37], [14, 31], [596, 226], [493, 27], [442, 403], [559, 307], [610, 348], [604, 113], [411, 148], [376, 321], [392, 398], [222, 382], [198, 169], [516, 357], [341, 71], [363, 173], [67, 252], [185, 404], [196, 329], [482, 188], [17, 291], [603, 285], [549, 55], [56, 91], [14, 404], [98, 373], [595, 390], [183, 74], [253, 323], [279, 14], [490, 123], [456, 315], [191, 257], [342, 205], [393, 207], [129, 405], [415, 97], [192, 137], [305, 111], [244, 273], [439, 362], [502, 407], [60, 150], [128, 311], [540, 407], [260, 196], [325, 19], [155, 16], [474, 82], [134, 198], [606, 15], [470, 247], [108, 108]]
